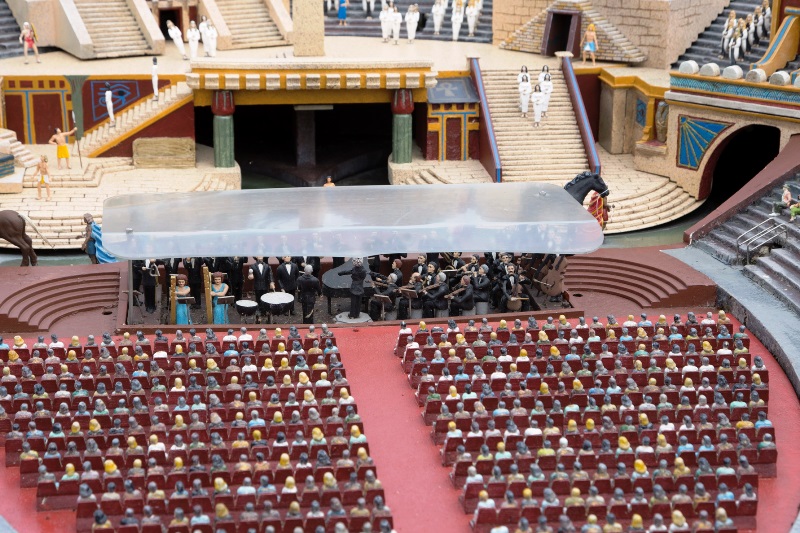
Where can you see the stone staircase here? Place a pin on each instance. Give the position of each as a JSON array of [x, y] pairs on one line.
[[720, 243], [250, 24], [9, 33], [706, 48], [66, 293], [553, 152], [358, 25], [113, 28], [132, 117], [614, 46], [92, 176], [212, 182], [22, 156], [426, 176], [775, 267], [662, 204]]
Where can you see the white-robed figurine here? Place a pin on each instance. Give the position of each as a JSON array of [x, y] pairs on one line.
[[457, 17], [109, 98], [735, 47], [386, 23], [744, 38], [523, 72], [210, 42], [727, 34], [369, 7], [472, 12], [537, 97], [545, 71], [203, 27], [397, 21], [177, 37], [525, 90], [193, 36], [154, 78], [766, 10], [547, 90], [412, 19], [437, 11]]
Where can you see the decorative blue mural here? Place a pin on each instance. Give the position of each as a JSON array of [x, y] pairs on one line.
[[641, 112], [123, 91], [694, 137]]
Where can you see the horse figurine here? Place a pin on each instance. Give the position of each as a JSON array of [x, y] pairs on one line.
[[583, 184], [12, 229]]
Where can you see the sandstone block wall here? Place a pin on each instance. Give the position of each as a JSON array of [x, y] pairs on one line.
[[509, 15]]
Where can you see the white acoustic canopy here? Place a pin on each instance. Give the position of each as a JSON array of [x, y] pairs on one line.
[[350, 221]]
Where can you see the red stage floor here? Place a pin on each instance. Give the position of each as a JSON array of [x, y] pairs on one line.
[[418, 489]]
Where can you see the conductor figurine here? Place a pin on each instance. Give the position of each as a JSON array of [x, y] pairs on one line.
[[309, 289], [357, 274]]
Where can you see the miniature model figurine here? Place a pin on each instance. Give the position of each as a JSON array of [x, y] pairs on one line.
[[28, 39], [309, 289], [219, 289], [457, 17], [44, 178], [438, 11], [182, 310], [357, 274], [547, 88], [525, 90], [342, 14], [177, 37], [396, 21], [61, 139], [193, 36], [412, 20], [589, 44], [108, 96], [88, 245], [210, 40], [472, 13], [369, 7], [537, 97]]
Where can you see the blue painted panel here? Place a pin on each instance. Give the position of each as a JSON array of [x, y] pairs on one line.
[[123, 91], [641, 112], [694, 138]]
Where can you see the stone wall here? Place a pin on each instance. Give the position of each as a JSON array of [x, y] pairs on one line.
[[662, 29], [509, 15]]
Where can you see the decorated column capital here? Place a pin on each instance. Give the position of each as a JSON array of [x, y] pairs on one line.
[[222, 104], [402, 102]]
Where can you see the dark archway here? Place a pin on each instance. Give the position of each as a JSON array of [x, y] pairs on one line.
[[737, 159]]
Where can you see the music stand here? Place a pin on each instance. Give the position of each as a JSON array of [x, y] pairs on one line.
[[225, 300], [383, 299], [188, 300], [449, 273], [411, 294]]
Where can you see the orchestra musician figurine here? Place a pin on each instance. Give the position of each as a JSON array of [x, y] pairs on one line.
[[512, 286], [357, 275], [433, 296], [462, 299], [308, 285], [377, 309], [405, 304], [260, 274]]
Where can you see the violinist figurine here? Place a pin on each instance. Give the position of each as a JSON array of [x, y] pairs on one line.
[[462, 299], [433, 296], [388, 288]]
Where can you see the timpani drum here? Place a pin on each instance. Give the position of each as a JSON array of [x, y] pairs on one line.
[[246, 308], [278, 302]]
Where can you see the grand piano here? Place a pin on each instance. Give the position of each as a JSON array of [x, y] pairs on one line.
[[336, 286]]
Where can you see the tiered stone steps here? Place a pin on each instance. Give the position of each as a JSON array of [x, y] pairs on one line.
[[614, 46], [662, 204], [358, 25], [51, 300], [721, 241], [9, 33], [22, 156], [92, 176], [132, 117], [553, 152], [647, 282], [426, 176], [113, 28], [706, 48], [211, 182], [250, 24]]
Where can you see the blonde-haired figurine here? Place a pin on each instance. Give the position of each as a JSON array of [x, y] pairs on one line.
[[412, 19], [472, 12], [386, 24], [734, 47], [457, 17], [177, 37], [767, 11], [589, 43], [28, 39], [727, 34], [437, 11], [43, 178]]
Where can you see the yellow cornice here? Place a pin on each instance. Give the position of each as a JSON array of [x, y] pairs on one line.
[[631, 81]]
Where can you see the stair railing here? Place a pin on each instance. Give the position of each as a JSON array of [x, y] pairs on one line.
[[581, 115], [491, 161], [763, 235]]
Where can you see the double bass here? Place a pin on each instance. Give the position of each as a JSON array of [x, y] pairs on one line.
[[552, 284]]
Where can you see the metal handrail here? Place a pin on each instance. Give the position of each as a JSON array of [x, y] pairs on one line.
[[581, 116], [477, 76], [765, 236]]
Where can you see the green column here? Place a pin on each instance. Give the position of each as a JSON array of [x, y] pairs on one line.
[[223, 141], [401, 138]]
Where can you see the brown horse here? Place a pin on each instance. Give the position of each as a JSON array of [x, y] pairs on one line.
[[12, 229]]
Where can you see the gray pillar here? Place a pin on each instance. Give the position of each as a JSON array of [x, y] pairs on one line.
[[401, 138], [223, 142], [305, 138]]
